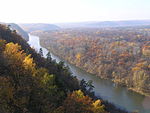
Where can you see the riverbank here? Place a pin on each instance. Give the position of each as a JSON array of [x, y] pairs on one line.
[[110, 107], [106, 89], [137, 91], [117, 82]]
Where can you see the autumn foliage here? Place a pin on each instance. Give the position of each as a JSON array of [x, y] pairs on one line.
[[120, 54], [30, 83]]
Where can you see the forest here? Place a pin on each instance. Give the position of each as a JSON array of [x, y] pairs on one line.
[[30, 83], [121, 54]]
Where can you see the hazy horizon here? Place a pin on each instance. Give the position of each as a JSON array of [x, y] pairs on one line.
[[82, 21], [70, 11]]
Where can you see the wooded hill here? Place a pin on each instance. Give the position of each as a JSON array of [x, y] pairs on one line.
[[16, 28], [30, 83], [19, 30], [38, 27], [121, 54]]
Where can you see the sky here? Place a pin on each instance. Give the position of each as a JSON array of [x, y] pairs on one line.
[[61, 11]]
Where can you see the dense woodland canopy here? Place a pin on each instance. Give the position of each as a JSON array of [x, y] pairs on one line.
[[121, 54], [30, 83]]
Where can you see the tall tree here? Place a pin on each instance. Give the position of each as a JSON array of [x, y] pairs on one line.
[[49, 57], [41, 52]]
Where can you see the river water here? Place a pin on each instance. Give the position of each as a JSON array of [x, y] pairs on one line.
[[106, 89]]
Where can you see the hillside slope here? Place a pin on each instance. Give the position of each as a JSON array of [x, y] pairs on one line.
[[32, 84], [39, 27], [19, 30]]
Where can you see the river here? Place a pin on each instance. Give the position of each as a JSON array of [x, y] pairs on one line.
[[106, 89]]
